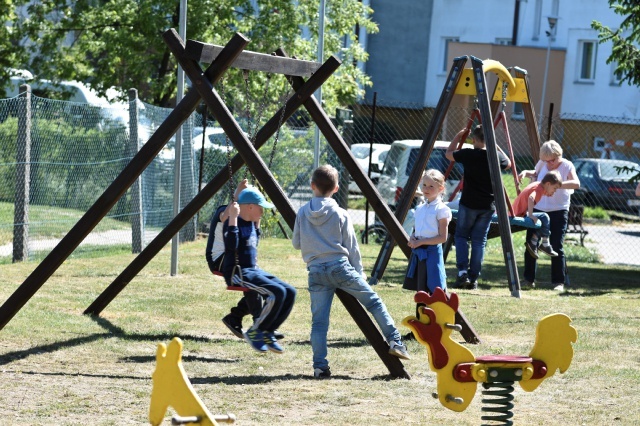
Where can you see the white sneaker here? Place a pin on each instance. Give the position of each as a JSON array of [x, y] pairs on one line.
[[396, 348], [559, 287]]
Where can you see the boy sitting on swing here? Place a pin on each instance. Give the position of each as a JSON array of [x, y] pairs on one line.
[[241, 235], [215, 254], [523, 207]]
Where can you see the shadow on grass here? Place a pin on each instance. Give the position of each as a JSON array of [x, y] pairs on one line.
[[112, 331], [336, 343], [186, 358]]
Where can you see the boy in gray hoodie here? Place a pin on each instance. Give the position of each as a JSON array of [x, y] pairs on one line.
[[324, 233]]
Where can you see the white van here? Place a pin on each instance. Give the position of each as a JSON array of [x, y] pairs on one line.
[[399, 163]]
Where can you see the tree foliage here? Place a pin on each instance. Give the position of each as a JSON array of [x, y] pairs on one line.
[[625, 40], [118, 43]]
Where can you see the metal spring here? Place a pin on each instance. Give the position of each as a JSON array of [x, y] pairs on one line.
[[499, 395]]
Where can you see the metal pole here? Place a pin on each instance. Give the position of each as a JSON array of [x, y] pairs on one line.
[[177, 169], [372, 137], [544, 81], [318, 94]]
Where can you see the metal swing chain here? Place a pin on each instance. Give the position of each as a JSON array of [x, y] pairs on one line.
[[252, 128], [504, 95], [230, 183], [277, 135]]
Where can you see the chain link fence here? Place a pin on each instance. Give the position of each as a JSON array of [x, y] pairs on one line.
[[51, 175], [605, 151]]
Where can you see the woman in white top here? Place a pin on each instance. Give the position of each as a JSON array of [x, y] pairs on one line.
[[557, 207]]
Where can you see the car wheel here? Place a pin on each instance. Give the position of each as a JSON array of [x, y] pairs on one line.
[[376, 234]]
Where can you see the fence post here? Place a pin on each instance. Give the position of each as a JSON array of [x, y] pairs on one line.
[[188, 188], [137, 218], [23, 177], [343, 192]]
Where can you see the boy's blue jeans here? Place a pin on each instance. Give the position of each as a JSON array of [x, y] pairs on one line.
[[545, 227], [472, 224], [324, 279]]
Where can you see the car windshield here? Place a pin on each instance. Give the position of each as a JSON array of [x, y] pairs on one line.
[[610, 170], [391, 162], [360, 152]]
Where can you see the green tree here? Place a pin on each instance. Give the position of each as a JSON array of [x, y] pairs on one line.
[[625, 40], [13, 56], [118, 43]]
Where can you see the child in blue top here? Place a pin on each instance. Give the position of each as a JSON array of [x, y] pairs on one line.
[[241, 235], [250, 302], [324, 233], [426, 265]]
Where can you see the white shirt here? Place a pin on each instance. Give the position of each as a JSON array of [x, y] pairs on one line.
[[562, 198], [427, 216]]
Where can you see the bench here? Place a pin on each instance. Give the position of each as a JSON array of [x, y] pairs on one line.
[[574, 225]]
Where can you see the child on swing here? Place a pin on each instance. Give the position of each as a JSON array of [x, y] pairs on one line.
[[214, 254], [241, 236], [426, 266], [324, 233], [523, 207]]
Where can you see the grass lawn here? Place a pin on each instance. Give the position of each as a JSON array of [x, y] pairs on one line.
[[61, 367]]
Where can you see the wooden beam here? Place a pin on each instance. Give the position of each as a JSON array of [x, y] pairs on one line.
[[269, 129], [530, 118], [419, 166], [494, 167], [118, 187], [359, 315], [203, 52]]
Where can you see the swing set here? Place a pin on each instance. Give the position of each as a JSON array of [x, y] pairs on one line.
[[220, 58], [472, 82]]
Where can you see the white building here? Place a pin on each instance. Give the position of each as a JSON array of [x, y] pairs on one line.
[[411, 55]]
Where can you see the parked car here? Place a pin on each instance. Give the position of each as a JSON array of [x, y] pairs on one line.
[[361, 153], [399, 163], [606, 184]]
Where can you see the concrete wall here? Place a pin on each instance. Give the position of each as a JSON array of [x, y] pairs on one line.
[[399, 52]]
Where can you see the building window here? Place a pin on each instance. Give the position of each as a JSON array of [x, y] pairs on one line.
[[598, 144], [616, 76], [537, 19], [518, 112], [445, 49], [503, 41], [587, 50]]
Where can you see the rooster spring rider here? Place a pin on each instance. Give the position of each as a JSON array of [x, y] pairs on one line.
[[459, 371]]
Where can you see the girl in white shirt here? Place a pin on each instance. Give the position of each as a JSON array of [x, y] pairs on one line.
[[426, 265]]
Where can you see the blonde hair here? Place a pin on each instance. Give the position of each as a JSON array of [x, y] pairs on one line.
[[325, 178], [436, 176], [550, 149]]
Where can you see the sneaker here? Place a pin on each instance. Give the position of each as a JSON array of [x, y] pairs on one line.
[[256, 339], [272, 342], [396, 348], [559, 287], [409, 336], [527, 284], [462, 281], [322, 373], [548, 250], [473, 285], [234, 325], [278, 335], [532, 249]]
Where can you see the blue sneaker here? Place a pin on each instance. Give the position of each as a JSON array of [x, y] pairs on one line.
[[271, 341], [256, 339]]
